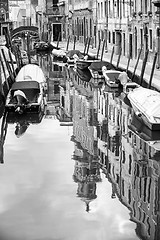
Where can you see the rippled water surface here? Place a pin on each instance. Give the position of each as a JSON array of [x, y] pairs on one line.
[[86, 170], [38, 197]]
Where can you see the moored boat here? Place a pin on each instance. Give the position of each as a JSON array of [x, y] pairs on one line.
[[146, 105], [43, 46], [141, 130], [114, 78], [85, 63], [27, 93]]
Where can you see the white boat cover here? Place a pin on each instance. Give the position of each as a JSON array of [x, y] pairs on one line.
[[146, 100], [31, 72]]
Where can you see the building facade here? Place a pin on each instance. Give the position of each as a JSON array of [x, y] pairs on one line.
[[131, 26]]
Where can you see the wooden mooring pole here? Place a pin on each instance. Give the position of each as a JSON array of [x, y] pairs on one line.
[[135, 67], [4, 72], [103, 46], [28, 48], [143, 66], [8, 39], [87, 50], [67, 43], [119, 56], [12, 64], [112, 53], [59, 36], [74, 43], [128, 62], [1, 83], [152, 70], [85, 45], [7, 65], [99, 45]]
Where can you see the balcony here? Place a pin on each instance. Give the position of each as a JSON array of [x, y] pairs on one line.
[[156, 3]]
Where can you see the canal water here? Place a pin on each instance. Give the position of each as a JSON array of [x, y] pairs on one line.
[[85, 169]]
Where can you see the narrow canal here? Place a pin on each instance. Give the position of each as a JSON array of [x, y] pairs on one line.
[[85, 169]]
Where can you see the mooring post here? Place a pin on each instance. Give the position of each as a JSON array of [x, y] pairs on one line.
[[74, 43], [7, 65], [67, 43], [59, 35], [19, 57], [104, 42], [28, 47], [8, 38], [16, 56], [112, 54], [1, 84], [85, 45], [89, 39], [11, 60], [128, 63], [152, 70], [119, 56], [4, 72], [99, 44], [135, 67], [143, 66], [3, 133]]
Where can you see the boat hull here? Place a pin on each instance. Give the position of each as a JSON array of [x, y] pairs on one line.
[[140, 129], [111, 78], [142, 117], [27, 93], [83, 64], [146, 105]]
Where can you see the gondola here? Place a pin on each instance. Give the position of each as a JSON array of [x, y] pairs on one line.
[[27, 93]]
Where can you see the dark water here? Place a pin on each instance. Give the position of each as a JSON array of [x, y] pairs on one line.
[[87, 169]]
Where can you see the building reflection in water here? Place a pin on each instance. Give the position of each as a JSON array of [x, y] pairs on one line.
[[109, 140], [86, 169], [129, 163], [106, 138]]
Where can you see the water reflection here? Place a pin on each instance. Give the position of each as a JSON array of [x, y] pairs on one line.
[[107, 136], [109, 142], [22, 122]]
